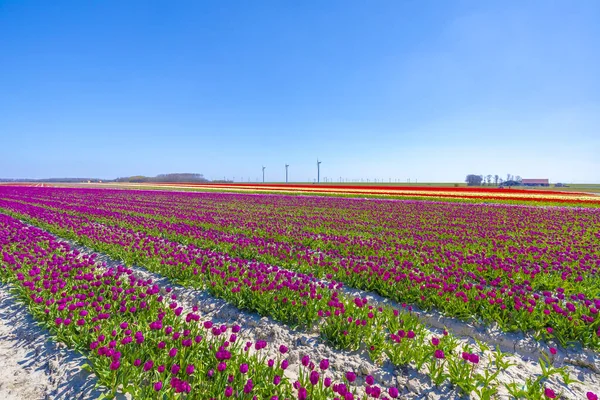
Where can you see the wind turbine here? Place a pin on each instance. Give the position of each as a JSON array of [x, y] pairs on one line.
[[264, 173], [318, 170], [286, 172]]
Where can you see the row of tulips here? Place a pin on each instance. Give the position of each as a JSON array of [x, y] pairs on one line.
[[346, 323], [446, 194], [293, 298], [425, 189], [139, 340], [567, 312], [245, 215], [161, 218]]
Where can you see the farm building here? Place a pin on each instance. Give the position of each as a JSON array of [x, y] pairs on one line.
[[535, 182]]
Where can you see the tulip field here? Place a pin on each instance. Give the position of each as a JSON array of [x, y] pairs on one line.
[[362, 276], [469, 194]]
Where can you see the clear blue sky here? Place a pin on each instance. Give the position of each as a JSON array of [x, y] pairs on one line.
[[427, 90]]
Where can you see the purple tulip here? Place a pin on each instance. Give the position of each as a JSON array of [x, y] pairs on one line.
[[305, 360], [302, 394], [350, 376], [324, 364], [314, 377]]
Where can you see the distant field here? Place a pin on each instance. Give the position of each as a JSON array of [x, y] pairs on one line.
[[577, 187], [576, 195], [434, 184], [583, 188], [574, 187]]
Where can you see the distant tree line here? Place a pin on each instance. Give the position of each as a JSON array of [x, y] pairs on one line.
[[495, 180], [164, 178]]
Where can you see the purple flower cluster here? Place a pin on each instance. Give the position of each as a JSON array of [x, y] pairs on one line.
[[457, 258], [503, 263]]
